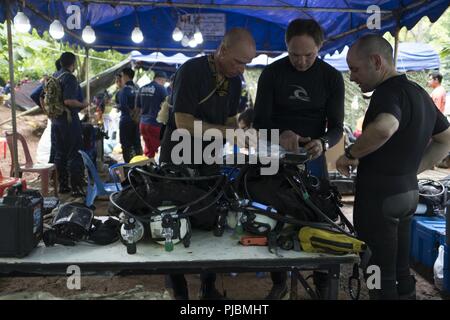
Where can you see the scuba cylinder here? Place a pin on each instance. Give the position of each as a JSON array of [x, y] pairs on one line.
[[132, 231]]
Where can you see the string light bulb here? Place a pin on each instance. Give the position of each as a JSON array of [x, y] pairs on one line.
[[177, 34], [185, 41], [137, 35], [88, 34], [56, 30], [198, 36], [21, 22], [192, 42]]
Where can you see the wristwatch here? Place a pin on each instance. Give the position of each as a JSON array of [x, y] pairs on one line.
[[348, 153], [325, 144]]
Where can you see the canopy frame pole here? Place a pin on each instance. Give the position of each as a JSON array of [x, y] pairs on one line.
[[88, 89], [396, 39], [397, 31], [223, 6], [15, 160]]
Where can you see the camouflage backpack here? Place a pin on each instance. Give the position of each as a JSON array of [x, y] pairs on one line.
[[53, 97]]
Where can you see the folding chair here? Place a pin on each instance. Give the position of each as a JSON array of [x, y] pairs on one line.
[[96, 187], [43, 169]]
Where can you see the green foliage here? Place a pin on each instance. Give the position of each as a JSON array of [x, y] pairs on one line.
[[35, 56], [251, 76], [437, 34], [32, 59]]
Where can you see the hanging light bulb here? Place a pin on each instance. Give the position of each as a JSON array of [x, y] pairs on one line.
[[137, 35], [192, 42], [56, 30], [177, 34], [198, 36], [21, 22], [185, 41], [88, 34]]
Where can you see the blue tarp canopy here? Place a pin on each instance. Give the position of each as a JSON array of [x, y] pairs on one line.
[[412, 56], [113, 21]]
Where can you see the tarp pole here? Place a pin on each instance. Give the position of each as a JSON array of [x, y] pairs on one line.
[[397, 31], [88, 89], [15, 159]]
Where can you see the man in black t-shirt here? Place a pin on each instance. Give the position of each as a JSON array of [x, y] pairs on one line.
[[303, 97], [206, 89], [403, 134]]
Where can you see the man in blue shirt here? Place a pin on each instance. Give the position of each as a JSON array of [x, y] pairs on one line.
[[149, 100], [66, 131], [7, 88], [130, 138]]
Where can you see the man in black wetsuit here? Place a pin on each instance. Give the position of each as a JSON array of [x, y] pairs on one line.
[[206, 89], [303, 97], [403, 134]]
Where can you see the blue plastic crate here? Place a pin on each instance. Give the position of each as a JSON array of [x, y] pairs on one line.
[[427, 234]]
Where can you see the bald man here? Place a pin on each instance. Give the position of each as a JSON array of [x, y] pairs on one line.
[[403, 134], [206, 89]]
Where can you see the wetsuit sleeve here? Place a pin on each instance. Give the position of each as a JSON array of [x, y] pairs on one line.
[[264, 101], [335, 110], [387, 102], [441, 123]]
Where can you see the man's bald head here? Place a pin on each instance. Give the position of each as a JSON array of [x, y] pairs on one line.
[[236, 50], [238, 36], [373, 44], [370, 62]]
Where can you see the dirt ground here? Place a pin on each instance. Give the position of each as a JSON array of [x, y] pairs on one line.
[[109, 286]]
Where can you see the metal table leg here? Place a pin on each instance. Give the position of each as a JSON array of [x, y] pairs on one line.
[[333, 282], [294, 278]]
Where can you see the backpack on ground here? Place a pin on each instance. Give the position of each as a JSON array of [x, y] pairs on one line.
[[53, 98]]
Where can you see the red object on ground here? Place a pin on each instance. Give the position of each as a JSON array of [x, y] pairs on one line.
[[7, 182], [253, 241], [3, 144]]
